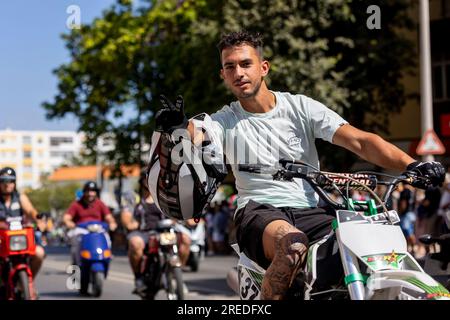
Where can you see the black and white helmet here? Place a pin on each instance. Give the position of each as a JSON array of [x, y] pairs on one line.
[[183, 177]]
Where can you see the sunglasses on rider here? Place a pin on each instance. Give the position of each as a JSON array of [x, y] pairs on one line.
[[6, 181]]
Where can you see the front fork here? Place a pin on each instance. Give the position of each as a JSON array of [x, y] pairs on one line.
[[353, 277]]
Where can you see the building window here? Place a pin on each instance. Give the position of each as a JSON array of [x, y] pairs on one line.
[[56, 141], [441, 79], [61, 154], [27, 154], [26, 140], [445, 7], [27, 169]]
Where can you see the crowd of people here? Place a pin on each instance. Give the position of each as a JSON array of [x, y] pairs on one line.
[[219, 226], [423, 212]]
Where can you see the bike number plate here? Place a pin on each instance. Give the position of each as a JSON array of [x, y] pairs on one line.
[[248, 288]]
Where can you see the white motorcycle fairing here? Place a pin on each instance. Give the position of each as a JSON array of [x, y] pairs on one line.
[[372, 247]]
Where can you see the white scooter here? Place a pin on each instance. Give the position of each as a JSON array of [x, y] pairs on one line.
[[364, 257]]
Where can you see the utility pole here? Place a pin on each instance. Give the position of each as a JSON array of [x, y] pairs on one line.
[[426, 99]]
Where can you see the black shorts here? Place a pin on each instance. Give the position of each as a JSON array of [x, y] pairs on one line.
[[251, 221]]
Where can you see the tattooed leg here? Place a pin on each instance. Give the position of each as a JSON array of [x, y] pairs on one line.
[[287, 247]]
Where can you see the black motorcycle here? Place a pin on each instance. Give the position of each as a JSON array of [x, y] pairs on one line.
[[161, 265]]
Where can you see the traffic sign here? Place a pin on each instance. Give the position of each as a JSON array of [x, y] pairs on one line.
[[430, 144]]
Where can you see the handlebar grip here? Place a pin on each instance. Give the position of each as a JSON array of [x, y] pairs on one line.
[[256, 168], [417, 181]]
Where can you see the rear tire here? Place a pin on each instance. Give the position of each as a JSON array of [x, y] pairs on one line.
[[24, 284], [175, 286], [97, 283]]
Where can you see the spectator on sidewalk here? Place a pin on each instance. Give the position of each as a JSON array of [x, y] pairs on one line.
[[220, 228], [406, 211]]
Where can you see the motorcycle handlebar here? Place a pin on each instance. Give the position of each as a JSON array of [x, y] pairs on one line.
[[323, 181]]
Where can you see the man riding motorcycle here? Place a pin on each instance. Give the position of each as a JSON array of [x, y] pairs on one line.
[[275, 220], [140, 222], [88, 208], [15, 204]]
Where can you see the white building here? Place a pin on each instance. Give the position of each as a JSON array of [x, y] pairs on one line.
[[34, 153]]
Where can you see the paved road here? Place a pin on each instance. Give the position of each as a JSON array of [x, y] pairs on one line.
[[208, 283]]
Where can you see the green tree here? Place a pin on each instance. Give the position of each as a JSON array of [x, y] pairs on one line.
[[324, 49], [40, 199], [53, 197], [122, 61]]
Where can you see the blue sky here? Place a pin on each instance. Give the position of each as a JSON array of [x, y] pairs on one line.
[[31, 47]]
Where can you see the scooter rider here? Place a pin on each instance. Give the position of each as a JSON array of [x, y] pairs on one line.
[[88, 208], [140, 222], [15, 204], [276, 220]]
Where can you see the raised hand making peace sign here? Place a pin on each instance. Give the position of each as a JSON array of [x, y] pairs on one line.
[[171, 117]]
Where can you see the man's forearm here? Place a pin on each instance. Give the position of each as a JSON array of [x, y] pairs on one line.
[[67, 220], [196, 135], [384, 154]]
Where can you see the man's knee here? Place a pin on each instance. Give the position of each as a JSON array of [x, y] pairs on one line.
[[184, 239], [39, 253], [282, 241], [136, 244], [292, 247]]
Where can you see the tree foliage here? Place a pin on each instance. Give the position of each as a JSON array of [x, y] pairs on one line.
[[53, 197], [122, 61]]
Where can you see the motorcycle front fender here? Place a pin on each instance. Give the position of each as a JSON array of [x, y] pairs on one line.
[[98, 267]]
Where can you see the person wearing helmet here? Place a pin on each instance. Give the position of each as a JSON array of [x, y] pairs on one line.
[[275, 220], [88, 208], [139, 222], [14, 204]]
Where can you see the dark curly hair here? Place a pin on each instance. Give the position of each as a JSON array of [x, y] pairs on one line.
[[239, 38]]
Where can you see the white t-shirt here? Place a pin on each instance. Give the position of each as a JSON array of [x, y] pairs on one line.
[[288, 131]]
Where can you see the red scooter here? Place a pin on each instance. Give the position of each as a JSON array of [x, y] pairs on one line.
[[17, 245]]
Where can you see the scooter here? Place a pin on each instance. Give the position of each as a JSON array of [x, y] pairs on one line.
[[17, 245], [364, 257], [95, 256]]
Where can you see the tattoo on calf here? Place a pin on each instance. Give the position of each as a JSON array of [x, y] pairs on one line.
[[290, 252]]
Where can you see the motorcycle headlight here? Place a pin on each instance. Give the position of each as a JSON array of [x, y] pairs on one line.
[[94, 227], [167, 238], [17, 243]]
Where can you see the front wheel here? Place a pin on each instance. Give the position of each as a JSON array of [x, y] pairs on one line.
[[23, 286], [97, 283], [194, 261], [175, 286]]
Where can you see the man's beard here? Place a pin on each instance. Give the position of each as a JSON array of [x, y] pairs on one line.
[[251, 94], [88, 199]]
